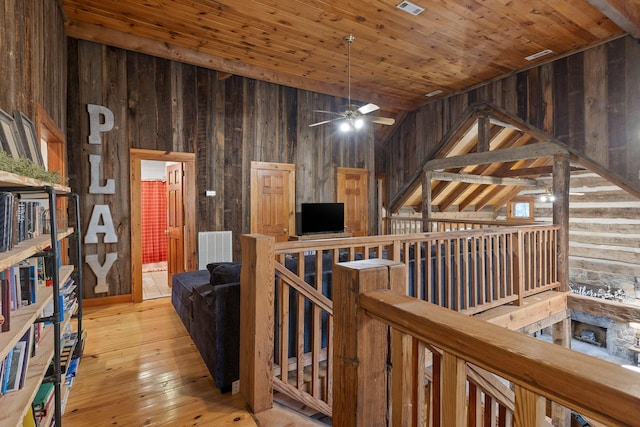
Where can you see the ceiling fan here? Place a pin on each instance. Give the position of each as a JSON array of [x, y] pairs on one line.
[[353, 117]]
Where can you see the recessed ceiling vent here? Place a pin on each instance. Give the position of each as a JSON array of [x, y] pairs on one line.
[[411, 8], [538, 55], [434, 93]]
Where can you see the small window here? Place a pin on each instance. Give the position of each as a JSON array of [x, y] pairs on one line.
[[520, 209]]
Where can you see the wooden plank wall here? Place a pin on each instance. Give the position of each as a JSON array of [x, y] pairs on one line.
[[33, 58], [228, 122], [589, 100]]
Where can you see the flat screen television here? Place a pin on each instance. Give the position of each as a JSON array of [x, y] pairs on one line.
[[318, 218]]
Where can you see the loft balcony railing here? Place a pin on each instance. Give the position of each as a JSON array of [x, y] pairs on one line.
[[375, 324], [288, 289]]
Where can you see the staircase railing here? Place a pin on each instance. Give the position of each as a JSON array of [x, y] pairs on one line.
[[366, 306], [287, 296]]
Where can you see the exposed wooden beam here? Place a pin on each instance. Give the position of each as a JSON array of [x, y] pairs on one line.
[[625, 13], [531, 151], [536, 171], [601, 307], [483, 133], [129, 41], [480, 179]]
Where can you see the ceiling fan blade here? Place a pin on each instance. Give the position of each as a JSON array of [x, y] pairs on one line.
[[380, 120], [324, 122], [369, 108], [328, 112]]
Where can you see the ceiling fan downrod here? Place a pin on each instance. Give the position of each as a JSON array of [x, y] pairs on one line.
[[349, 39]]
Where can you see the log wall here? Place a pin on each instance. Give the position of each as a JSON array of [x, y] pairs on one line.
[[33, 58], [604, 235], [589, 100], [228, 122]]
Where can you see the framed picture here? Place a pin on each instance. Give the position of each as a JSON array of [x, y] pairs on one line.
[[9, 138], [29, 138]]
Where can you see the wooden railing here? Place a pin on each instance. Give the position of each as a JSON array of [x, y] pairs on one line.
[[287, 329], [402, 225], [367, 305], [412, 224]]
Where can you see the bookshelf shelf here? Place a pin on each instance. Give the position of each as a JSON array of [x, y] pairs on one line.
[[24, 250], [15, 405], [22, 319], [8, 179]]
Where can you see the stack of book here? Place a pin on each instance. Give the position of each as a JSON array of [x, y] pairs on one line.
[[19, 220], [13, 369], [43, 402], [18, 287]]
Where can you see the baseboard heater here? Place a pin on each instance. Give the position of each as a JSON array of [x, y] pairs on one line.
[[214, 246]]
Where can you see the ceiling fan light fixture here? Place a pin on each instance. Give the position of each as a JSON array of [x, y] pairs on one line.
[[345, 126], [358, 123]]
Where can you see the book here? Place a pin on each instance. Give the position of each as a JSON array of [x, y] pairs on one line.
[[26, 293], [29, 419], [43, 396], [5, 296], [13, 366], [6, 216], [19, 361]]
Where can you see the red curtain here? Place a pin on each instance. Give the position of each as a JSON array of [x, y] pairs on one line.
[[154, 221]]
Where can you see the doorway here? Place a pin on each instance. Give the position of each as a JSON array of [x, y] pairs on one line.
[[186, 251], [155, 281]]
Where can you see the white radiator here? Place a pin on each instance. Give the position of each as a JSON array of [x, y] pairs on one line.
[[214, 246]]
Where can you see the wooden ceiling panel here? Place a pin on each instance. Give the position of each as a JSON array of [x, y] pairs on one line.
[[396, 59]]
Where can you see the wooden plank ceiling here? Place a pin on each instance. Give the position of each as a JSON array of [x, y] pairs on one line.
[[396, 58]]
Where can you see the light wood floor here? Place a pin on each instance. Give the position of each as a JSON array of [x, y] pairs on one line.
[[140, 368]]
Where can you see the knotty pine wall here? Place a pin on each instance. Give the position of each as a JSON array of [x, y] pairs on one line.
[[589, 100], [33, 58], [228, 122]]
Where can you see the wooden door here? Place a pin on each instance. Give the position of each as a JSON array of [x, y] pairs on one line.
[[273, 199], [353, 191], [175, 220]]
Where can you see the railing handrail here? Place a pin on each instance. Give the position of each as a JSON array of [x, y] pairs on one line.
[[602, 390], [338, 243]]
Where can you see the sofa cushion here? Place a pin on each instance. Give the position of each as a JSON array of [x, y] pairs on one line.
[[224, 272], [182, 286]]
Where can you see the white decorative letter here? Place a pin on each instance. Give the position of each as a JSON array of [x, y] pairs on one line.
[[95, 127], [101, 270], [95, 187], [101, 212]]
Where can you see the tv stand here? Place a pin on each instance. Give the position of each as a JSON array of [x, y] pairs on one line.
[[320, 236]]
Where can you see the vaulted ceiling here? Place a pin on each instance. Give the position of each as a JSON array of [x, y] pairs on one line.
[[396, 59]]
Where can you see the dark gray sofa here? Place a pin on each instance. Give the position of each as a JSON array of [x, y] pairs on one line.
[[208, 303]]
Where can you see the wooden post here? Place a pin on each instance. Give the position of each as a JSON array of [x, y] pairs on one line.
[[454, 396], [405, 374], [484, 137], [561, 183], [529, 409], [360, 344], [561, 416], [561, 334], [518, 272], [257, 326], [426, 202]]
